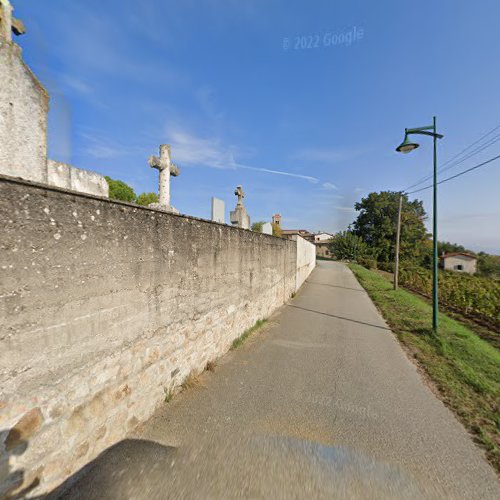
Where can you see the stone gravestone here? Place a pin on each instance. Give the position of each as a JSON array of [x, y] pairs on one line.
[[166, 168], [267, 228], [218, 210], [239, 216]]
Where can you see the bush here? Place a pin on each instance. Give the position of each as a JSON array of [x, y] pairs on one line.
[[367, 262], [118, 190], [348, 246], [145, 199], [386, 266]]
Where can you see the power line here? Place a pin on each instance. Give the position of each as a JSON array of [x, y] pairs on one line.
[[457, 175], [474, 152], [480, 148], [470, 145]]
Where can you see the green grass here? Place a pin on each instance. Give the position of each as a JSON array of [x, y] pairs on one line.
[[464, 368], [244, 336]]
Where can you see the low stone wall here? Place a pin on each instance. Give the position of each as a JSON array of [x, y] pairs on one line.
[[105, 308], [306, 259], [84, 181]]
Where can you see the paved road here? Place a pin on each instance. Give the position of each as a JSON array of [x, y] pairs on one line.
[[322, 403]]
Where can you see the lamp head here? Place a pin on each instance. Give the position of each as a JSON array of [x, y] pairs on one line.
[[407, 145]]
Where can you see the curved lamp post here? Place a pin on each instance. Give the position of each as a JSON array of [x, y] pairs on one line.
[[406, 147]]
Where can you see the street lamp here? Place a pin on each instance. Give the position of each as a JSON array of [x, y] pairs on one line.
[[406, 147]]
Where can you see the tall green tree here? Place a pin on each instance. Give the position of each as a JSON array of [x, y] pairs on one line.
[[376, 225], [118, 190]]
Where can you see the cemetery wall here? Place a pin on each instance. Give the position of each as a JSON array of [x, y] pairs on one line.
[[69, 177], [106, 307], [306, 259]]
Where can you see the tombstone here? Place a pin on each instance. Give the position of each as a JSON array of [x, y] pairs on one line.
[[267, 228], [218, 210], [166, 168], [239, 216], [9, 24]]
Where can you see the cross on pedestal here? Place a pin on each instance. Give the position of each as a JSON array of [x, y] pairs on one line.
[[9, 24], [164, 165], [239, 216], [240, 194]]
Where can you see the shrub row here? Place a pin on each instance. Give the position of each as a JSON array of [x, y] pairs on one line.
[[469, 294]]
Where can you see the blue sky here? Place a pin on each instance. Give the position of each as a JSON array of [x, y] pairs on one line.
[[306, 131]]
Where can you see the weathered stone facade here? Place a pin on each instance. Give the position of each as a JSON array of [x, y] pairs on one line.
[[24, 107], [105, 307]]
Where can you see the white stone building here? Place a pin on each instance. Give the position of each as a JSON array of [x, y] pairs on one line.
[[461, 262]]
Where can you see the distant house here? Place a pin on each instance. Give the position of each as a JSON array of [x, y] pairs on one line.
[[460, 262], [322, 237], [288, 233]]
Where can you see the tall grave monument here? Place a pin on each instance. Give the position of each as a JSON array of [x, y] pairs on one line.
[[166, 168], [239, 216]]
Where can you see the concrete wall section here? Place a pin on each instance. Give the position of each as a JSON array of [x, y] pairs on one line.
[[306, 259], [69, 177], [23, 118], [59, 174], [105, 308]]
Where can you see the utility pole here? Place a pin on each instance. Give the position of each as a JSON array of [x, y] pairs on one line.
[[398, 235]]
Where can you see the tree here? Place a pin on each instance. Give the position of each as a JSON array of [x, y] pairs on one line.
[[488, 265], [277, 230], [347, 246], [118, 190], [446, 247], [257, 226], [145, 199], [376, 225]]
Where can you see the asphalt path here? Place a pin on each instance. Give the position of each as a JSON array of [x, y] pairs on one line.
[[321, 403]]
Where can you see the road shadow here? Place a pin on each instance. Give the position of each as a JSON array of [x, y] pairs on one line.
[[12, 480], [132, 468], [340, 317], [335, 286]]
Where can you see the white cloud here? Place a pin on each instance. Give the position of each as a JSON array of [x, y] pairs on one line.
[[320, 155], [329, 186], [344, 209], [101, 147], [198, 151]]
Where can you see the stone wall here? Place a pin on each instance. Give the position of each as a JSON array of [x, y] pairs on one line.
[[24, 105], [105, 308], [306, 259], [69, 177]]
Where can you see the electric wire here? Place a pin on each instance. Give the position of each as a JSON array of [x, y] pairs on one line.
[[457, 175], [477, 150]]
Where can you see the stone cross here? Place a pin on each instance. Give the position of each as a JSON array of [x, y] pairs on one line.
[[166, 168], [9, 24], [240, 194]]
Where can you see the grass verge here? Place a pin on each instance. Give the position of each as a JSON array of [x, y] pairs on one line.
[[244, 336], [464, 368]]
